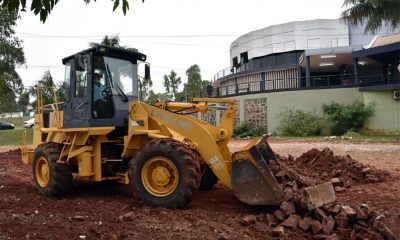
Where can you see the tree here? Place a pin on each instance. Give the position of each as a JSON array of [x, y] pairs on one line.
[[44, 7], [23, 100], [145, 86], [194, 80], [171, 84], [47, 82], [374, 12], [11, 55], [153, 97], [111, 41], [8, 99]]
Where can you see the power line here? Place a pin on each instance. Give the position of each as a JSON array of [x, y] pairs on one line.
[[40, 66], [194, 35]]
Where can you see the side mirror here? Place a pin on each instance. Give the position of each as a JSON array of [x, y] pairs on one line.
[[79, 62], [146, 71]]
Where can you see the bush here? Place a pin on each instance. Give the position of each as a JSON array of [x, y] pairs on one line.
[[349, 117], [245, 129], [299, 123]]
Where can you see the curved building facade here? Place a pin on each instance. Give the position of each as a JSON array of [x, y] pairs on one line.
[[294, 55], [305, 64]]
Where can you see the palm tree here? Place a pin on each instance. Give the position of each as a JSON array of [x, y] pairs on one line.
[[374, 12], [111, 41], [49, 85]]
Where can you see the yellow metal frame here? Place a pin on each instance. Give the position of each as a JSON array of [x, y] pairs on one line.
[[145, 122], [209, 141]]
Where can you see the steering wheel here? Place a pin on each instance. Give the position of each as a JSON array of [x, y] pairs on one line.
[[106, 92]]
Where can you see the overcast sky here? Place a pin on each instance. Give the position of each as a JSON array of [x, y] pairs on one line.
[[174, 34]]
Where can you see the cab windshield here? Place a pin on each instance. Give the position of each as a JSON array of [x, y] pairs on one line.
[[120, 75]]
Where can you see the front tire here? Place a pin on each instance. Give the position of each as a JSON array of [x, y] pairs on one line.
[[51, 178], [164, 173]]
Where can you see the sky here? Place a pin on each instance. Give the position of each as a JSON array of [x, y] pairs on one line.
[[174, 34]]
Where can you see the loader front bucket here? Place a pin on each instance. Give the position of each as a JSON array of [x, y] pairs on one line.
[[252, 181]]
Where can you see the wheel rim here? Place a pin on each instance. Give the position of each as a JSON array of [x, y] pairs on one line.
[[42, 172], [160, 176]]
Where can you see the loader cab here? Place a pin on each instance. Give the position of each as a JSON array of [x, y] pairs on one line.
[[99, 83]]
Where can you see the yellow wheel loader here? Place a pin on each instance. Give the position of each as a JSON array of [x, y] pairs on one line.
[[102, 132]]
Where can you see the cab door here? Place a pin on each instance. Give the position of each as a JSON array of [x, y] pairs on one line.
[[77, 112]]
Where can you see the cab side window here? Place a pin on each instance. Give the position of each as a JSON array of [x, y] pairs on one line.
[[67, 82], [81, 81]]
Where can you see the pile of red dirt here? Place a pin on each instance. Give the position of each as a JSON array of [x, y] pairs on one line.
[[11, 154], [324, 166], [309, 184]]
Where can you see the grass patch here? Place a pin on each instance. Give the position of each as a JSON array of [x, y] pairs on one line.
[[355, 138], [13, 137]]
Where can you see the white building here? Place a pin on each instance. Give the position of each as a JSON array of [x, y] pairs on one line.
[[297, 54]]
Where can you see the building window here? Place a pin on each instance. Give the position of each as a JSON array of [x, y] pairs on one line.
[[244, 58], [235, 61]]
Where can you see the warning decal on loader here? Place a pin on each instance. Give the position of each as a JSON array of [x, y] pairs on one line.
[[216, 163]]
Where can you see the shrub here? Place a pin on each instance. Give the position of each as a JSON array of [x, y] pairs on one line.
[[299, 123], [245, 129], [349, 117]]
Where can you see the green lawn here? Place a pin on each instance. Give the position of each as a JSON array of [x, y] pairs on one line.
[[13, 137], [355, 138]]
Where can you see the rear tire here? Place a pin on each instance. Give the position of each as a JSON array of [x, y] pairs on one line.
[[208, 179], [164, 173], [51, 178]]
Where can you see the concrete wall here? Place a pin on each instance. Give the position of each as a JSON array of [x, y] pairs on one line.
[[306, 100], [387, 111]]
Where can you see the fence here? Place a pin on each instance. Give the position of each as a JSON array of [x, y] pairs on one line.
[[12, 115], [282, 84], [380, 79], [16, 114]]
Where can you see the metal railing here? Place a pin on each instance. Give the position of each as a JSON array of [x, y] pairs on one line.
[[271, 85], [381, 79], [253, 65], [288, 84]]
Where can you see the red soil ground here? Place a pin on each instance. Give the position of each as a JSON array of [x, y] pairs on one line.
[[93, 210]]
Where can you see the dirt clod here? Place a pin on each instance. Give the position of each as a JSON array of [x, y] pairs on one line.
[[305, 223], [248, 220], [316, 227], [278, 231], [342, 220], [78, 218], [328, 225], [288, 208], [319, 195], [292, 221]]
